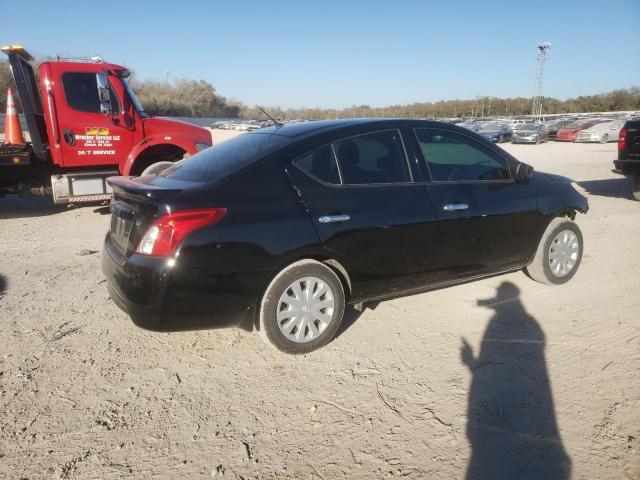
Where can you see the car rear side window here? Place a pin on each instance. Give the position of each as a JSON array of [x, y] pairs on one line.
[[373, 158], [454, 158], [320, 164]]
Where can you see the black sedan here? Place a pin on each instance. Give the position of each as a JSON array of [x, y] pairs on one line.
[[279, 229]]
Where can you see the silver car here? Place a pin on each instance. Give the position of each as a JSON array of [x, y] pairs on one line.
[[601, 132], [530, 133]]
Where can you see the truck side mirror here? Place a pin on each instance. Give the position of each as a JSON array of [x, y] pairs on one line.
[[103, 93]]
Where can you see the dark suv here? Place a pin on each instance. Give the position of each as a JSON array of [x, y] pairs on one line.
[[284, 226], [628, 162]]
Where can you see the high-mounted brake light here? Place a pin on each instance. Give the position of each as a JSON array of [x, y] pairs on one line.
[[622, 139], [165, 234]]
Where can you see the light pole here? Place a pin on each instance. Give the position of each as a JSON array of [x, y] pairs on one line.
[[536, 107]]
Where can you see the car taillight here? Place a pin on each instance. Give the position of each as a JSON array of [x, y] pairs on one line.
[[622, 139], [165, 234]]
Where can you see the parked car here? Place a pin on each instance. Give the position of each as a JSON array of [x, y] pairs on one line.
[[570, 132], [628, 162], [473, 126], [280, 228], [558, 125], [601, 132], [496, 132], [530, 133]]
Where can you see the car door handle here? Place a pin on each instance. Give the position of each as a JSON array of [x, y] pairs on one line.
[[452, 207], [334, 218]]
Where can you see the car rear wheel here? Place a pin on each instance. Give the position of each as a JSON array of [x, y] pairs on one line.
[[302, 307], [559, 253], [604, 138]]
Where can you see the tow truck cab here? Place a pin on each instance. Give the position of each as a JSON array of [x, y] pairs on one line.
[[85, 124]]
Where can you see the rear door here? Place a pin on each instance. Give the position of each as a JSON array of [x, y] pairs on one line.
[[486, 220], [368, 212], [87, 136]]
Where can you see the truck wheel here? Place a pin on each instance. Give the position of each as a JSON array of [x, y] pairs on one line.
[[559, 253], [635, 187], [302, 307], [156, 168], [604, 138]]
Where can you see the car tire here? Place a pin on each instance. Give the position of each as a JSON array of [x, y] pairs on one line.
[[559, 253], [604, 138], [314, 326], [635, 186], [156, 168]]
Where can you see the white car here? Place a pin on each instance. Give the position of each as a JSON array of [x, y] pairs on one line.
[[601, 132]]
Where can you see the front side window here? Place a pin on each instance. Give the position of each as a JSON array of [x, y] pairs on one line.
[[372, 158], [454, 158], [320, 164], [81, 92]]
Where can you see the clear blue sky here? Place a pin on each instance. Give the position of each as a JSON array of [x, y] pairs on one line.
[[337, 53]]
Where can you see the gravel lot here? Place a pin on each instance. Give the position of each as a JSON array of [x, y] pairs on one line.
[[555, 371]]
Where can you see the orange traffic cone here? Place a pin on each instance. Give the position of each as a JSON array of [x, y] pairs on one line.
[[12, 129]]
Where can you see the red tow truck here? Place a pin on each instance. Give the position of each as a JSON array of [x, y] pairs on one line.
[[85, 124]]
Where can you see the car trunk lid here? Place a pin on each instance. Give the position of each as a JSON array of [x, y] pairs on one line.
[[136, 203]]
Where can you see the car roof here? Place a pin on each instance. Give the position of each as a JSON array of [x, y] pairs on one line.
[[299, 129]]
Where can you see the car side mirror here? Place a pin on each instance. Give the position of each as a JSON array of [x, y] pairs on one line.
[[104, 96], [523, 171]]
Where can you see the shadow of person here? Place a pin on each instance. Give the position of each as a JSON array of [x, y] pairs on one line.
[[511, 421]]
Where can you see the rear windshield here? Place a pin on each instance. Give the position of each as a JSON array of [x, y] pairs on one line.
[[225, 158]]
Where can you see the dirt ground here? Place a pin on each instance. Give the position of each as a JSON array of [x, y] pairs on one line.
[[550, 375]]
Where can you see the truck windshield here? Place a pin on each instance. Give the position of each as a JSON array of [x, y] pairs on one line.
[[132, 96]]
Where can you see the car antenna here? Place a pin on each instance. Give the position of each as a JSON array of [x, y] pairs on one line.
[[275, 122]]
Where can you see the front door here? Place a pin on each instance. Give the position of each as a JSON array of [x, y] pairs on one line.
[[368, 212], [486, 220], [89, 138]]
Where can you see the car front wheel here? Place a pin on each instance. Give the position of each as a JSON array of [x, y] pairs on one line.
[[559, 253], [302, 307]]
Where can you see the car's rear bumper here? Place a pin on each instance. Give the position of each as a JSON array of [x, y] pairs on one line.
[[159, 294], [627, 167]]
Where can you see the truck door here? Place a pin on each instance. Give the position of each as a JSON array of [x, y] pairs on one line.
[[89, 137]]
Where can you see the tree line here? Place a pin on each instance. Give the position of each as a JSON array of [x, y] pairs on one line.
[[198, 98], [616, 100]]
